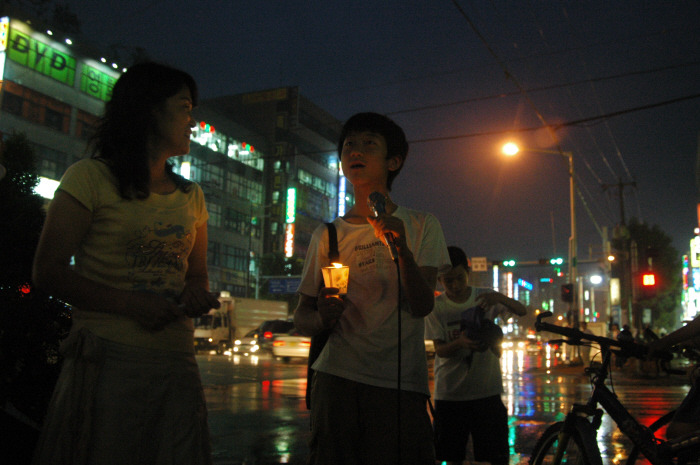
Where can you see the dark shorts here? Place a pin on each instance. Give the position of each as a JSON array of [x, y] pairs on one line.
[[357, 424], [486, 420], [689, 410]]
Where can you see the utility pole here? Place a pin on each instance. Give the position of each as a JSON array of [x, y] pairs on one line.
[[625, 255]]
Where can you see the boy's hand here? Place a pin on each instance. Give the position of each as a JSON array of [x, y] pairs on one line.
[[330, 306], [472, 344], [388, 224], [488, 299]]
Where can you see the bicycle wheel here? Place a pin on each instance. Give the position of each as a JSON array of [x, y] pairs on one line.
[[654, 427], [546, 448]]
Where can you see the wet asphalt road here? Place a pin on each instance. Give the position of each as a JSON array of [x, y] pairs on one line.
[[258, 416]]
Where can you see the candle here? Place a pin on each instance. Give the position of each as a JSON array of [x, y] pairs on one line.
[[336, 275]]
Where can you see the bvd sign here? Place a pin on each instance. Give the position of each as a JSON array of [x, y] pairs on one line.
[[40, 57]]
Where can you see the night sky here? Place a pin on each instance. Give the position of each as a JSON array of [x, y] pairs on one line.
[[618, 79]]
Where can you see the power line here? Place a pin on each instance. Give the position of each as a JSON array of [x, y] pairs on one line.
[[542, 88], [557, 126]]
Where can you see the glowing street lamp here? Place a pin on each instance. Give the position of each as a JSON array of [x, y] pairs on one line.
[[511, 149]]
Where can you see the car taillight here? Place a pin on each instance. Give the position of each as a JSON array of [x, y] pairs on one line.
[[267, 334], [277, 343], [305, 344]]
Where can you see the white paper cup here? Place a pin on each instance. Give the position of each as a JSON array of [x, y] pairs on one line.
[[337, 276]]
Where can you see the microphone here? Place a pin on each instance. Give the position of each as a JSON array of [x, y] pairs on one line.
[[377, 203]]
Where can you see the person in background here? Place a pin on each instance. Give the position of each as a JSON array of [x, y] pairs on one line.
[[358, 400], [129, 390], [468, 379], [687, 417], [625, 336]]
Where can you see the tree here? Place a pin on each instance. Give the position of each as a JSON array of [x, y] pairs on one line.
[[655, 244], [31, 323]]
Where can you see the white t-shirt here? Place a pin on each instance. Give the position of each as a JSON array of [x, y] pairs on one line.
[[363, 345], [467, 375]]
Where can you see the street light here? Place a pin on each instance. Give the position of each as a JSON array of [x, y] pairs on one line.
[[511, 149]]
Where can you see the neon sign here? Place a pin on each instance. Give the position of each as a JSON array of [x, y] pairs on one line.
[[4, 27], [42, 58], [289, 240], [96, 84], [342, 189], [291, 205]]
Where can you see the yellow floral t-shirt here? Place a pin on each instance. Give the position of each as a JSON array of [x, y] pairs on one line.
[[140, 245]]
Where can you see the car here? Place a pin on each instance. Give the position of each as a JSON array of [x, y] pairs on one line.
[[247, 344], [291, 345], [515, 343], [271, 328]]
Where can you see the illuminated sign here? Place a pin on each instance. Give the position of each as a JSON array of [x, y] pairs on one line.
[[96, 83], [40, 57], [289, 240], [479, 264], [695, 252], [342, 190], [525, 284], [291, 205], [614, 291], [4, 27], [509, 285]]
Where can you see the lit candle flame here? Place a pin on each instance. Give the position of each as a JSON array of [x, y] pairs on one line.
[[337, 265]]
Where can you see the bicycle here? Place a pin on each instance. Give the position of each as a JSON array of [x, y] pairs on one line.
[[573, 441]]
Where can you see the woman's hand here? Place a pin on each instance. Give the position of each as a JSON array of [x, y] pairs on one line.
[[196, 301], [152, 311]]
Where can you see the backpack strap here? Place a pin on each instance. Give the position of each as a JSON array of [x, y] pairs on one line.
[[333, 253], [318, 341]]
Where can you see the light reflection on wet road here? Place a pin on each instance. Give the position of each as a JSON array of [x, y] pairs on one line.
[[258, 415]]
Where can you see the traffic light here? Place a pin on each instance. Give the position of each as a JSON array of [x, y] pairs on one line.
[[509, 263], [556, 261], [567, 292], [649, 284], [649, 279]]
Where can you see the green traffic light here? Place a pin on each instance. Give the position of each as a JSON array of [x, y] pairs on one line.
[[556, 261], [508, 262]]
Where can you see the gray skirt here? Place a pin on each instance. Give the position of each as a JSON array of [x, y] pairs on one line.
[[118, 404]]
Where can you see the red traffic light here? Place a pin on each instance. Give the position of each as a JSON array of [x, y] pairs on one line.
[[649, 285], [648, 279], [567, 292]]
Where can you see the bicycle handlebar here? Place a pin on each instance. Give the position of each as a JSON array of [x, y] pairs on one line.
[[575, 336]]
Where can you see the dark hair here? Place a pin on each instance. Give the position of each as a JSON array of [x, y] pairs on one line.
[[122, 134], [458, 257], [396, 144]]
